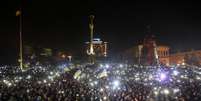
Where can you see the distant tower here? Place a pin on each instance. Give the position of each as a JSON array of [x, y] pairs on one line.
[[90, 52]]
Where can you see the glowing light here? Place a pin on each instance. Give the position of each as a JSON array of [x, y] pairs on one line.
[[90, 80], [57, 74], [184, 76], [91, 84], [166, 91], [178, 81], [28, 77], [176, 90], [16, 80], [107, 66], [63, 56], [51, 73], [101, 65], [175, 72], [51, 78], [198, 78], [101, 90], [104, 98], [9, 84], [40, 67], [4, 81], [62, 92], [107, 87], [95, 82], [45, 81], [27, 90], [121, 65], [162, 76], [137, 79], [150, 77], [145, 79], [155, 92], [155, 88], [115, 84]]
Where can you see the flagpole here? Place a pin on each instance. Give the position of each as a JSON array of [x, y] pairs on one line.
[[21, 57], [20, 36]]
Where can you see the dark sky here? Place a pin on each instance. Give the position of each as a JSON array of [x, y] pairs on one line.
[[63, 24]]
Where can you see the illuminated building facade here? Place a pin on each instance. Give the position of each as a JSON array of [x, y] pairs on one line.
[[186, 58], [99, 47], [63, 56], [148, 53], [136, 54], [163, 54]]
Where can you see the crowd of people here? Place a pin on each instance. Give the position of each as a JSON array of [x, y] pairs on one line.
[[119, 83]]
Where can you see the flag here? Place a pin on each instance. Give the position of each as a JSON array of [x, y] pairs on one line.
[[18, 13]]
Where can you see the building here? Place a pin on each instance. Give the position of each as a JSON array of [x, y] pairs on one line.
[[137, 54], [163, 54], [37, 55], [186, 58], [99, 47], [63, 56], [148, 53]]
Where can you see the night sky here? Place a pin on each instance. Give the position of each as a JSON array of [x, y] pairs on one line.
[[63, 24]]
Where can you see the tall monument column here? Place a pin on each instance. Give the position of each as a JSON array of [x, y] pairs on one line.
[[90, 52], [91, 27]]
